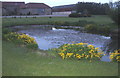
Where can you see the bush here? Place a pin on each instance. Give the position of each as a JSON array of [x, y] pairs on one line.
[[79, 51], [79, 15], [115, 56], [75, 15], [57, 23], [6, 30], [105, 30], [91, 28], [94, 28], [32, 46], [21, 39], [66, 24]]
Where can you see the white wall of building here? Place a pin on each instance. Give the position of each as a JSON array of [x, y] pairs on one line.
[[61, 13]]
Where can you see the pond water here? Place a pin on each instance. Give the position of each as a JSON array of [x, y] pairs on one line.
[[49, 37]]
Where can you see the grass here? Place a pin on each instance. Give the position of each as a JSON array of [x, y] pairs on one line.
[[101, 24], [0, 56], [19, 61], [99, 19]]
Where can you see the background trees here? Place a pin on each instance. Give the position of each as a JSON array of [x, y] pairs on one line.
[[92, 8], [114, 12]]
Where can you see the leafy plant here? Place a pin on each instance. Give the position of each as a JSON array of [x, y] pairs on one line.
[[21, 39], [79, 51], [115, 56], [91, 27]]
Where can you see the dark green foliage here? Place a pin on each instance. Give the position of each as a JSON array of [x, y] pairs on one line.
[[85, 14], [115, 15], [6, 30], [97, 29], [114, 12], [75, 15], [32, 46], [20, 39], [92, 8]]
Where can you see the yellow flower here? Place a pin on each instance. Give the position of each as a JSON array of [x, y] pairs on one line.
[[90, 46], [90, 61], [78, 56], [118, 58], [62, 55], [69, 55], [80, 50], [81, 43]]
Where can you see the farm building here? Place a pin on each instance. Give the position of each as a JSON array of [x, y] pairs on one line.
[[64, 9], [36, 9], [11, 8], [20, 8]]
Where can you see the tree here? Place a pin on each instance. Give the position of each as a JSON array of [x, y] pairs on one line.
[[114, 12], [92, 8]]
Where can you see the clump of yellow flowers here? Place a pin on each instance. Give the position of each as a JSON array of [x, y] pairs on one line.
[[115, 56], [26, 38], [79, 51], [21, 39]]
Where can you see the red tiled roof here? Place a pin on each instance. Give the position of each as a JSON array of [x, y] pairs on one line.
[[20, 4], [37, 5], [28, 5], [13, 3]]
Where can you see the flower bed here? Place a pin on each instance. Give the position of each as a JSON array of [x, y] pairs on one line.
[[21, 39], [79, 51], [115, 56]]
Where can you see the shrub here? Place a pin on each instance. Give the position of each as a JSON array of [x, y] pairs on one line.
[[75, 15], [57, 23], [21, 39], [6, 30], [115, 56], [10, 36], [79, 51], [104, 30], [91, 27], [94, 28], [66, 23], [32, 46], [79, 15], [89, 15]]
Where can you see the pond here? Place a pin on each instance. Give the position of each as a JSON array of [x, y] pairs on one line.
[[49, 37]]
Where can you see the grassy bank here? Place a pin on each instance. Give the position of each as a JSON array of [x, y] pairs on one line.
[[100, 19], [19, 61], [97, 24]]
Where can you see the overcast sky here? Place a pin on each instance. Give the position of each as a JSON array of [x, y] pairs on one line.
[[60, 2]]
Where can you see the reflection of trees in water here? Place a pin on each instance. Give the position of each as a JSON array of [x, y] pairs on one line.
[[113, 43], [110, 46]]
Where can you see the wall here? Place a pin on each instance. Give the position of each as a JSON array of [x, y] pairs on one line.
[[33, 11], [48, 11], [61, 13], [10, 10]]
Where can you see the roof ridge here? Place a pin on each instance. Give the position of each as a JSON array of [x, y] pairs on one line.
[[11, 2]]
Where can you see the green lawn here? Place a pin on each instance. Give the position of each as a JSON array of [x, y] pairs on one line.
[[19, 61], [99, 19]]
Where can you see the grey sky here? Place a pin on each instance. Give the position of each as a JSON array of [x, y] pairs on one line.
[[60, 2]]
